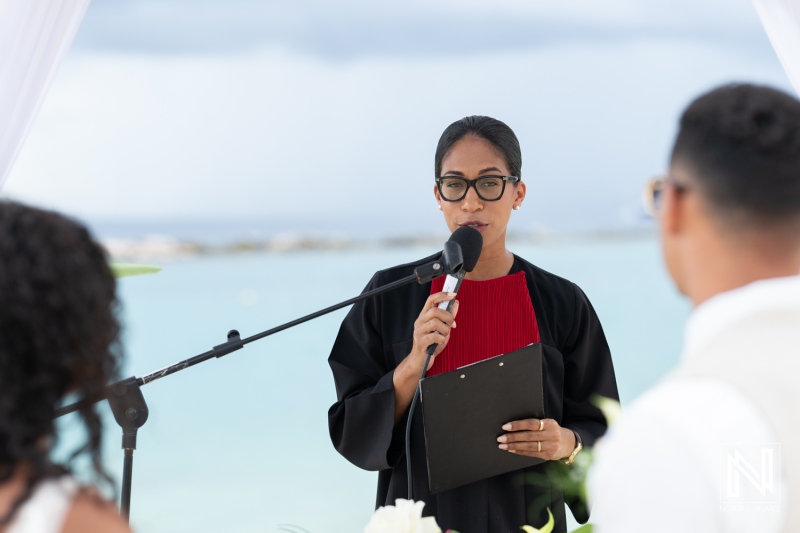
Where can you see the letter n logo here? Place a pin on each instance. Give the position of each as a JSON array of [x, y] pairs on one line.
[[750, 473]]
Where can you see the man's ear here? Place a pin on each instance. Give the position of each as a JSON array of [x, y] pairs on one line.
[[671, 216]]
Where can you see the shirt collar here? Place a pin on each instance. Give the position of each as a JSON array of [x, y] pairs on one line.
[[722, 310]]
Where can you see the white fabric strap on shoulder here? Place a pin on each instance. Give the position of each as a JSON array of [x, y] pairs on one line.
[[47, 508]]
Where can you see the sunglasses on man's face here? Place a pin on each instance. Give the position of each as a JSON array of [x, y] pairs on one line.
[[653, 193]]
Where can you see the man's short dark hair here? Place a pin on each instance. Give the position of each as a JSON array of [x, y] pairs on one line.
[[741, 143]]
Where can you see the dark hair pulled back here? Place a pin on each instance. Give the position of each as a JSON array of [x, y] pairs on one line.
[[58, 335], [497, 133]]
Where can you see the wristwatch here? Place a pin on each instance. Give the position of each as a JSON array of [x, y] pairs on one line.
[[578, 447]]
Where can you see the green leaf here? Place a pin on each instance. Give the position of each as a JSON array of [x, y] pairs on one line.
[[122, 270], [547, 528], [587, 528], [610, 408]]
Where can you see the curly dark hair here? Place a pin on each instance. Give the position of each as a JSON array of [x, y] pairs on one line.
[[59, 335], [742, 144]]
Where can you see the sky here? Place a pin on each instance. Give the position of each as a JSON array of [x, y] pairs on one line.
[[327, 114]]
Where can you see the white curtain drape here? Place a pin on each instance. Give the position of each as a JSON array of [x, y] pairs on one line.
[[34, 36], [781, 20]]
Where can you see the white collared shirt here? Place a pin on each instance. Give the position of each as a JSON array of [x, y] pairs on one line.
[[658, 469]]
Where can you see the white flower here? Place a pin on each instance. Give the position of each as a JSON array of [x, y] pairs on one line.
[[405, 516]]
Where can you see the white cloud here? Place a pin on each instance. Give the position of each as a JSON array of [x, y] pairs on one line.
[[277, 133], [352, 29]]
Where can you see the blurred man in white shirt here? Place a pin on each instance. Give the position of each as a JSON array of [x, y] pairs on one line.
[[713, 447]]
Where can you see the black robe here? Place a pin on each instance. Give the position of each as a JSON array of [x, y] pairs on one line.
[[377, 335]]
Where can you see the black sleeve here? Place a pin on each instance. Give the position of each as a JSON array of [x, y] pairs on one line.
[[588, 372], [361, 422]]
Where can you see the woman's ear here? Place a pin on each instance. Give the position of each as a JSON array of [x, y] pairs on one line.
[[436, 195], [520, 190]]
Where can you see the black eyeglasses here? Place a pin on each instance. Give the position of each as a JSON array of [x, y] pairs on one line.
[[652, 193], [489, 188]]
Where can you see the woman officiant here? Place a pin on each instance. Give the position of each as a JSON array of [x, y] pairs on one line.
[[504, 304]]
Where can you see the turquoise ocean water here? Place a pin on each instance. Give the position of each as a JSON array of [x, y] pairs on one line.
[[240, 444]]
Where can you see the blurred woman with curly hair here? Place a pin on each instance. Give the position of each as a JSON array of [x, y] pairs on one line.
[[58, 335]]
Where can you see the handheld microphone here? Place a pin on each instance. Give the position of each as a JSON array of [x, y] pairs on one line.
[[469, 242]]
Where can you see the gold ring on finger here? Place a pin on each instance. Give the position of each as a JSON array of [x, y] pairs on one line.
[[540, 445], [541, 425]]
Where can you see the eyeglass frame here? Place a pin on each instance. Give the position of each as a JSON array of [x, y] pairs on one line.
[[472, 183], [655, 186]]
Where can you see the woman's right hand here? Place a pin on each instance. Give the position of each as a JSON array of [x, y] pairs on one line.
[[433, 326]]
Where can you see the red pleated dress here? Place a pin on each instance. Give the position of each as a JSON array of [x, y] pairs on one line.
[[495, 316]]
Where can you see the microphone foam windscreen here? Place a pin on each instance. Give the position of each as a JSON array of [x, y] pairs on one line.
[[471, 242]]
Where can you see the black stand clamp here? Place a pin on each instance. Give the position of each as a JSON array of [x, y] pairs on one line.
[[130, 411]]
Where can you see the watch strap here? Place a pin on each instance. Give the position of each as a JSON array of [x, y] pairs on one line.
[[578, 447]]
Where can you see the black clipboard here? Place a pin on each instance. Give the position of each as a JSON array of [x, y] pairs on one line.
[[464, 411]]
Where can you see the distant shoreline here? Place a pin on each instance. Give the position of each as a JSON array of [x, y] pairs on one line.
[[163, 247]]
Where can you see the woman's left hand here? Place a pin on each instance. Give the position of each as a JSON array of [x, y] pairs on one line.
[[542, 438]]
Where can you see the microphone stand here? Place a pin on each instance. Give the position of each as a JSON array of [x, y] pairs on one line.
[[432, 348], [127, 402]]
